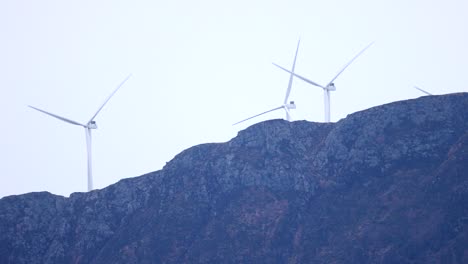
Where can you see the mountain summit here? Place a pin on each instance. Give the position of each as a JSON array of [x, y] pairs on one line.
[[384, 185]]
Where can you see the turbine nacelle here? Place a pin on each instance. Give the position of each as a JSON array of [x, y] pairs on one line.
[[291, 105], [331, 87], [92, 125]]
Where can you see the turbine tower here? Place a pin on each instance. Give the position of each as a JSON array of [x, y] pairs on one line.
[[286, 106], [88, 127], [426, 92], [330, 86]]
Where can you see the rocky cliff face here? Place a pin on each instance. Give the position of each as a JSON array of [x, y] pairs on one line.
[[385, 185]]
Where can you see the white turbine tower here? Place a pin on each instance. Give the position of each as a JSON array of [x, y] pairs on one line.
[[330, 86], [88, 126], [426, 92], [286, 106]]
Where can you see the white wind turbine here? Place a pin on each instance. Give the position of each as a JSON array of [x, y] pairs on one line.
[[426, 92], [286, 106], [330, 86], [88, 126]]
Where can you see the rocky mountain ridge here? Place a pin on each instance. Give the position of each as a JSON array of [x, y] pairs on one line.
[[384, 185]]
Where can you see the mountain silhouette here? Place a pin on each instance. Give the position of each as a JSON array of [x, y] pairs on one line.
[[385, 185]]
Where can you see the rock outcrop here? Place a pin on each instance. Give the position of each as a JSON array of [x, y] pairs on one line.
[[384, 185]]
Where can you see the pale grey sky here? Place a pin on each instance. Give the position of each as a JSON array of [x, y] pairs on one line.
[[198, 67]]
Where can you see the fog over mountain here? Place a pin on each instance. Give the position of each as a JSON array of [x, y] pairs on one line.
[[384, 185]]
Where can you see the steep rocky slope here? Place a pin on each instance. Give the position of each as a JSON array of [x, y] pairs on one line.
[[385, 185]]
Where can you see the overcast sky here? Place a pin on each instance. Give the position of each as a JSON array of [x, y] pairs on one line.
[[198, 67]]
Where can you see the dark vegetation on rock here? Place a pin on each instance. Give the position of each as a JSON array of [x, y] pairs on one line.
[[384, 185]]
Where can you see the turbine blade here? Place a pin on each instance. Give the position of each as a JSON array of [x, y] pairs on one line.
[[426, 92], [292, 75], [58, 117], [109, 97], [259, 114], [346, 66], [299, 76]]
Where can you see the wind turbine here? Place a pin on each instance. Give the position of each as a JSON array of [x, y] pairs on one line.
[[88, 126], [426, 92], [330, 86], [286, 106]]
